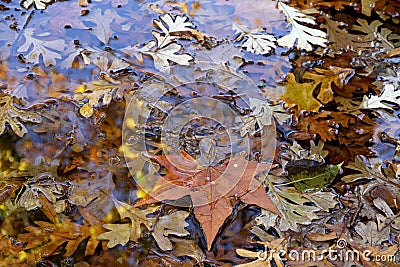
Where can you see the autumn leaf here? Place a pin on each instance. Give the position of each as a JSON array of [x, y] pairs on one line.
[[163, 54], [334, 76], [212, 215], [160, 227], [48, 49], [255, 42], [103, 22], [300, 94], [389, 94], [46, 238], [39, 4], [303, 35], [11, 114]]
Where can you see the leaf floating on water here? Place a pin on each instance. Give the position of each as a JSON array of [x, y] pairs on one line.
[[255, 42], [303, 35], [12, 115], [39, 4], [390, 94]]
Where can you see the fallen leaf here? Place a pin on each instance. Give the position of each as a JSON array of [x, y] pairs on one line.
[[303, 35]]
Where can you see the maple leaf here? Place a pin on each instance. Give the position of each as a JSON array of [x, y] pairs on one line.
[[12, 115], [326, 78], [46, 48], [212, 215], [39, 4], [103, 23], [255, 42], [304, 35], [300, 94]]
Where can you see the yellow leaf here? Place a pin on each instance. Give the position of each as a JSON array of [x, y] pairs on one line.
[[300, 95]]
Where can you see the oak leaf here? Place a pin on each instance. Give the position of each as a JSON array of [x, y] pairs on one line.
[[12, 115], [300, 94], [46, 238], [255, 41], [160, 227], [389, 94], [48, 49], [103, 21], [334, 76], [303, 35]]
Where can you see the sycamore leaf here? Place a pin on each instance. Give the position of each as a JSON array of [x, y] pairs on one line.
[[327, 78], [39, 4], [255, 42], [46, 48], [12, 115], [212, 215], [300, 94], [389, 94], [303, 35], [103, 23]]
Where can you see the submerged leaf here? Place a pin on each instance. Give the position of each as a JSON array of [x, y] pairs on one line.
[[12, 115], [48, 49]]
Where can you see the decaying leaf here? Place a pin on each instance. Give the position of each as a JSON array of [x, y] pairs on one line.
[[370, 234], [48, 49], [266, 257], [46, 238], [45, 185], [11, 114], [160, 227], [255, 41], [303, 35]]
